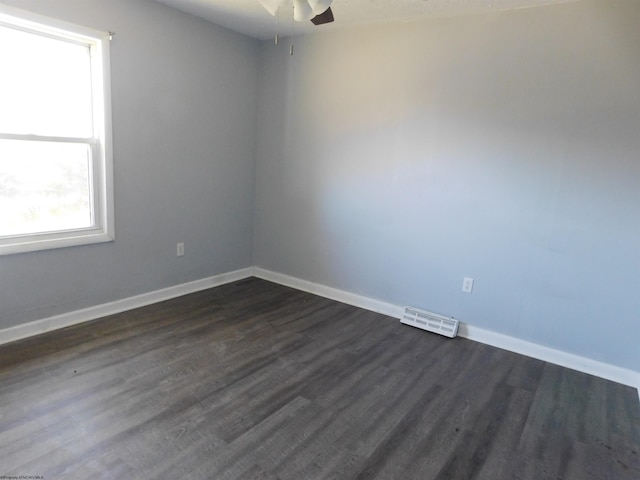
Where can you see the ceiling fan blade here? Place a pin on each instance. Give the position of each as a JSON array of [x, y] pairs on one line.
[[324, 17], [272, 6]]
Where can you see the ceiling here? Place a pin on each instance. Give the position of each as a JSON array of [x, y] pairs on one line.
[[250, 18]]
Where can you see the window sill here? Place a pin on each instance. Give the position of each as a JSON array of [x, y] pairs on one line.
[[33, 243]]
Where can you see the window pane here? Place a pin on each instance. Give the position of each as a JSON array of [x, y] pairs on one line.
[[45, 85], [44, 187]]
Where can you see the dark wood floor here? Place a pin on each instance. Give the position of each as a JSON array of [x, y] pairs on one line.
[[253, 380]]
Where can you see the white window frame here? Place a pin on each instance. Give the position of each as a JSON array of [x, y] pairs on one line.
[[100, 143]]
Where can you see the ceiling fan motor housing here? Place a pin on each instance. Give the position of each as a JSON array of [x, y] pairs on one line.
[[318, 11]]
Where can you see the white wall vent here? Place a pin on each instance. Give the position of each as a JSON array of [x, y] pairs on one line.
[[432, 322]]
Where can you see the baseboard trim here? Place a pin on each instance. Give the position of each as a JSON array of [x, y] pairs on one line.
[[505, 342], [38, 327], [330, 293], [558, 357], [551, 355]]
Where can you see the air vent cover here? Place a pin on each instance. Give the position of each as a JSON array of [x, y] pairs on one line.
[[432, 322]]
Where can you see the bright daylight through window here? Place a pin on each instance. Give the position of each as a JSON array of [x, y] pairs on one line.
[[55, 140]]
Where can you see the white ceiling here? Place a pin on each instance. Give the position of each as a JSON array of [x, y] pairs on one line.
[[250, 18]]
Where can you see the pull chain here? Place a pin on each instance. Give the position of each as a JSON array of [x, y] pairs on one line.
[[293, 16]]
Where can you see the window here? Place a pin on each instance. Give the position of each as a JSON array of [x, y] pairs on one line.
[[55, 134]]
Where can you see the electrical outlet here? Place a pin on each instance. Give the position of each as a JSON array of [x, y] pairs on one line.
[[467, 285], [180, 249]]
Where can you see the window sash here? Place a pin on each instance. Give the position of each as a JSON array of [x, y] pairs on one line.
[[93, 177], [47, 83]]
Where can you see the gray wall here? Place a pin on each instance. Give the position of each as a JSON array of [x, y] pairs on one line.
[[393, 161], [184, 122]]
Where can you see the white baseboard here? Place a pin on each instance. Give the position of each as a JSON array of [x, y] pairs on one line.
[[92, 313], [558, 357], [330, 293], [505, 342]]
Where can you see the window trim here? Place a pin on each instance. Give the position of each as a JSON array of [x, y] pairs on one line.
[[101, 142]]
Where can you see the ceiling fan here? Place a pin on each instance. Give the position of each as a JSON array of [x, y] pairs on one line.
[[318, 11]]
